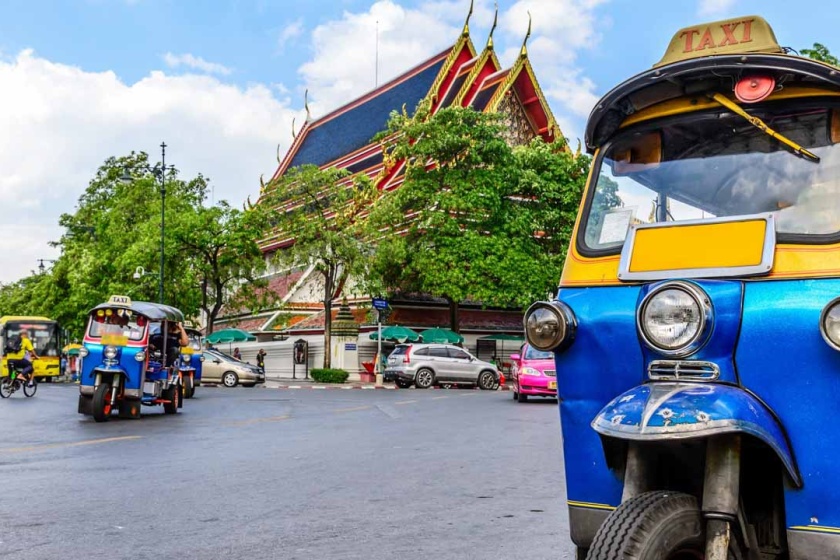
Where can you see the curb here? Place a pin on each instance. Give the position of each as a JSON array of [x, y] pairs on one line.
[[374, 387]]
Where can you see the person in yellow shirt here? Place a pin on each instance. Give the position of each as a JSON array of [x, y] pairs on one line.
[[22, 359]]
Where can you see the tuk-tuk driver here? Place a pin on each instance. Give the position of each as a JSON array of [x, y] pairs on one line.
[[175, 339]]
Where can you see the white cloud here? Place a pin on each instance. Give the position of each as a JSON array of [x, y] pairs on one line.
[[290, 32], [60, 123], [195, 63], [714, 7], [344, 64]]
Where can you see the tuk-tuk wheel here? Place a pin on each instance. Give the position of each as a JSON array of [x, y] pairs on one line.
[[173, 395], [102, 402], [660, 524], [188, 387]]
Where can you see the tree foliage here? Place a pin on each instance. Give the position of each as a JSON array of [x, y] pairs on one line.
[[319, 216], [115, 228], [820, 52], [475, 218]]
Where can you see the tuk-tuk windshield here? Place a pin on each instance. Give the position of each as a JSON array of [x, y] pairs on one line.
[[133, 327], [715, 164]]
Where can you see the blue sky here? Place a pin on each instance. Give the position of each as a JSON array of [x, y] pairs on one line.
[[221, 81]]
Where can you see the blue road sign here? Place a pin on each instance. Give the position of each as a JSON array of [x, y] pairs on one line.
[[380, 303]]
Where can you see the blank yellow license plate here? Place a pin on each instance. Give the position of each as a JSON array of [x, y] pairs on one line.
[[552, 384]]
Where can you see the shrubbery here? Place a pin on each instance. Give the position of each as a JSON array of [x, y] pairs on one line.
[[329, 375]]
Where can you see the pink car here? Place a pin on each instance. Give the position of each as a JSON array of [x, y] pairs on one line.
[[533, 374]]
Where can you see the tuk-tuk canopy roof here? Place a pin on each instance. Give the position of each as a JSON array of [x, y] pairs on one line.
[[704, 60], [152, 311]]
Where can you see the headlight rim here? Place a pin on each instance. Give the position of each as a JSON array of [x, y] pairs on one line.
[[110, 352], [700, 338], [830, 305], [567, 319]]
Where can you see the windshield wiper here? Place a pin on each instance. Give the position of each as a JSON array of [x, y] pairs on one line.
[[762, 126]]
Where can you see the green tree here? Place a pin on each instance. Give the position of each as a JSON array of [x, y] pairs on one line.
[[220, 243], [318, 214], [820, 52], [475, 219]]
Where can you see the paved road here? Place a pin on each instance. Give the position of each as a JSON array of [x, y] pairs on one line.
[[292, 474]]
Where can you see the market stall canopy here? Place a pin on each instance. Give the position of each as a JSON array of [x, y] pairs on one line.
[[230, 335], [71, 349], [438, 335], [396, 333], [503, 336]]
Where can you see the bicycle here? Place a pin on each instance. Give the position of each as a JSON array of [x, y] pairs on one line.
[[12, 383]]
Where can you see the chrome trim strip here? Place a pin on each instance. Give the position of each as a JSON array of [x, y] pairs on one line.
[[687, 370], [763, 267]]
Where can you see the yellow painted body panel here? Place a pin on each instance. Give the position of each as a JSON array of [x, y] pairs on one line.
[[698, 246], [45, 366]]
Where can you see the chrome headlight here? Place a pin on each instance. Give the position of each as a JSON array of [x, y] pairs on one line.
[[675, 318], [201, 358], [550, 325], [830, 324], [140, 356], [110, 352], [83, 352]]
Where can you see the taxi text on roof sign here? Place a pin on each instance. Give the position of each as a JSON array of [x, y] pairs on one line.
[[120, 300], [749, 34]]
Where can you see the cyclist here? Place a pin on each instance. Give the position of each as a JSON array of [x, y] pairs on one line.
[[22, 359]]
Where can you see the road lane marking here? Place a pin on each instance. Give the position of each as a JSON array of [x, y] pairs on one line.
[[405, 402], [468, 394], [352, 409], [257, 420], [68, 444], [438, 398]]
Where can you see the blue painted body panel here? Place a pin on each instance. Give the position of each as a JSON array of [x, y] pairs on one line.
[[779, 379], [783, 359], [125, 364]]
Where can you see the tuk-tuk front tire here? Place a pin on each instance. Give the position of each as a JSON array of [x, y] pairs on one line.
[[188, 387], [173, 395], [101, 406], [661, 524]]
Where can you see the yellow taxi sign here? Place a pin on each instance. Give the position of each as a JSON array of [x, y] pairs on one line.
[[114, 340], [749, 34], [122, 301]]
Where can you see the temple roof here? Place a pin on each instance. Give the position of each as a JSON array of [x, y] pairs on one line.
[[354, 125]]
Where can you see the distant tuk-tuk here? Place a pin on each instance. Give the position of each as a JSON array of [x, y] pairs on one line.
[[124, 365], [191, 362], [696, 330]]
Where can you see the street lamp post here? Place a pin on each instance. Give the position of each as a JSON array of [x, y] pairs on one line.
[[41, 267], [159, 171]]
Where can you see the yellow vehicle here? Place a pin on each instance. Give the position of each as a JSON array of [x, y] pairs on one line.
[[45, 335]]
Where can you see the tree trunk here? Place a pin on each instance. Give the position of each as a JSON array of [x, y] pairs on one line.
[[329, 281], [454, 319]]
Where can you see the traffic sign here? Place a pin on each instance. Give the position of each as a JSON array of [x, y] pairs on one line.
[[380, 303]]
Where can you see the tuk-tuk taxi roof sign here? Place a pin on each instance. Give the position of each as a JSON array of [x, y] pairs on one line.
[[750, 34], [121, 301]]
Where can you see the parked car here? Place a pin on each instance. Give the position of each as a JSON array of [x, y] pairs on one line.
[[423, 365], [534, 373], [230, 372]]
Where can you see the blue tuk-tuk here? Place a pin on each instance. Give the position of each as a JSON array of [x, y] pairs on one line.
[[191, 361], [123, 365], [696, 330]]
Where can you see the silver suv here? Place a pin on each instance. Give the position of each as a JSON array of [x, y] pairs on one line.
[[426, 364]]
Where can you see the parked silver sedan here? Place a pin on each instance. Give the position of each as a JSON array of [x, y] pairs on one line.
[[230, 372], [423, 365]]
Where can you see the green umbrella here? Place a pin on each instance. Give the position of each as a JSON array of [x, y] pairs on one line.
[[438, 335], [230, 335], [395, 333]]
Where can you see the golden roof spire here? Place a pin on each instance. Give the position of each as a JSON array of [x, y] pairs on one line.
[[492, 29], [524, 51], [294, 136], [306, 105], [466, 31]]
